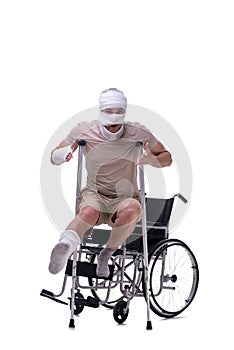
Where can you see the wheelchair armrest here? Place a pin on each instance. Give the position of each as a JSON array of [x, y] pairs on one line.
[[154, 223]]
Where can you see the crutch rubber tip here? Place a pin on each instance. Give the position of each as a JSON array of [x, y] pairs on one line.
[[72, 323], [149, 325]]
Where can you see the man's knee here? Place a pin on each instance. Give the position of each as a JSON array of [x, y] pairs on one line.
[[131, 209], [89, 215]]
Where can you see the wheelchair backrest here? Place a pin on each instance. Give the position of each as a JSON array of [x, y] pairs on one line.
[[158, 210]]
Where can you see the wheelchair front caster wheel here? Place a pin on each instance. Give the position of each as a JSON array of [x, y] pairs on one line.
[[120, 313], [78, 304]]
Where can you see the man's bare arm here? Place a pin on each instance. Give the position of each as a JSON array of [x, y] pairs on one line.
[[157, 156]]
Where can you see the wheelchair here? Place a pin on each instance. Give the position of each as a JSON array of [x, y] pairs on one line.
[[149, 264]]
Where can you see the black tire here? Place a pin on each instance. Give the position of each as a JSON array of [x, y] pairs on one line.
[[120, 313], [173, 278]]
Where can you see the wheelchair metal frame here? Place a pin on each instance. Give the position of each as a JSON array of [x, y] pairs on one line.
[[138, 285]]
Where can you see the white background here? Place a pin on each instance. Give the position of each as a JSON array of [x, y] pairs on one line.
[[174, 57]]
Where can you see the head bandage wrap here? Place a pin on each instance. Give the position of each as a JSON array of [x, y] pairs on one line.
[[112, 98]]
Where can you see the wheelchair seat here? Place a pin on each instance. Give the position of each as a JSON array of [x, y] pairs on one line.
[[158, 212]]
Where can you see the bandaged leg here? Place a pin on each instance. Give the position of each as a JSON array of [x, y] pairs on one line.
[[68, 242]]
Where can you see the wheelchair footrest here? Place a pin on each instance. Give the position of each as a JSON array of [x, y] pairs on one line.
[[90, 301], [50, 295], [86, 269]]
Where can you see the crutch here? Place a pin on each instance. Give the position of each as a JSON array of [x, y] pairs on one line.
[[80, 143], [144, 232]]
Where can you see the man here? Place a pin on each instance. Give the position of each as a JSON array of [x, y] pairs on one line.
[[111, 194]]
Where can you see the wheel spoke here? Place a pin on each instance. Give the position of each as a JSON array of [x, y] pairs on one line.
[[177, 265]]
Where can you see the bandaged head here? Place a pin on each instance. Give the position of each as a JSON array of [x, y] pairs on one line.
[[112, 99]]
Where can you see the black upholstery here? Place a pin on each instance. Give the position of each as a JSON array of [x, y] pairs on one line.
[[158, 212]]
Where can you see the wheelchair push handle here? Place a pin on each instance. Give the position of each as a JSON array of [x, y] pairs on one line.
[[182, 198]]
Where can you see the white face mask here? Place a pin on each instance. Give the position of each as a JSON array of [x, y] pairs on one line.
[[112, 135], [111, 119]]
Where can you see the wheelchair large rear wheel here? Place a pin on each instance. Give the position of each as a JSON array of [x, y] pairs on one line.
[[173, 277]]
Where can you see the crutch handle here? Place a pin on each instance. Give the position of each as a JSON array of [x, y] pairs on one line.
[[139, 143], [81, 142]]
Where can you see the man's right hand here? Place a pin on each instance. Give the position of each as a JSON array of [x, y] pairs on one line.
[[63, 153], [74, 146]]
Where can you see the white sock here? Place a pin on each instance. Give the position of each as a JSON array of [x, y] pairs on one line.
[[102, 265], [68, 242]]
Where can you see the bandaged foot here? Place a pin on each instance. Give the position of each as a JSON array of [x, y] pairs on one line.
[[102, 265], [68, 243]]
